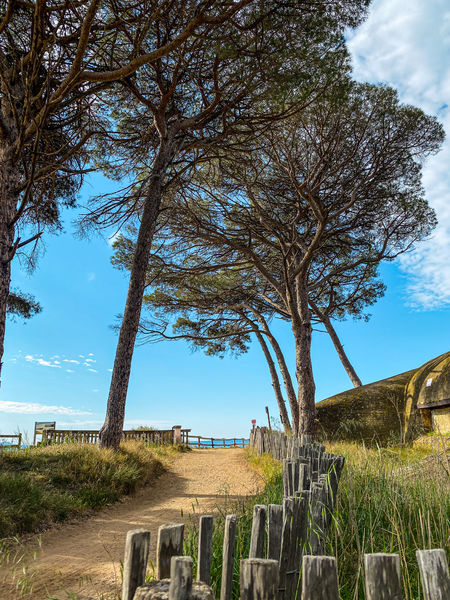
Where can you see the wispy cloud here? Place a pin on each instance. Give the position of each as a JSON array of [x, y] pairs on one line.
[[410, 49], [42, 362], [91, 276], [69, 364], [35, 408]]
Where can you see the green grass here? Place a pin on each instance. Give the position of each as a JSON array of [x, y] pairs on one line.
[[390, 500], [394, 500], [40, 486]]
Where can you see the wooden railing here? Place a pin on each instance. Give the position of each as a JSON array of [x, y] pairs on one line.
[[10, 445], [90, 436], [198, 441]]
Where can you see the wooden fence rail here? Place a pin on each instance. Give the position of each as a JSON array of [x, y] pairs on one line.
[[198, 441], [9, 444], [90, 436]]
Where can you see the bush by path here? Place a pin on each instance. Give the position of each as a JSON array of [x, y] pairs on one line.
[[40, 486]]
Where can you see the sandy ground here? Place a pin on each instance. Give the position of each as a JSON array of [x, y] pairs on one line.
[[82, 560]]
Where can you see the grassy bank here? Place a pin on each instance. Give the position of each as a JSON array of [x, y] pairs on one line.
[[390, 500], [394, 500], [40, 486]]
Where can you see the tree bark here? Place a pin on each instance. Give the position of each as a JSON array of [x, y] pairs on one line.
[[111, 432], [287, 380], [8, 195], [338, 345], [275, 382], [302, 330]]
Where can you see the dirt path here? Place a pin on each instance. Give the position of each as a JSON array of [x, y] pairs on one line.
[[82, 560]]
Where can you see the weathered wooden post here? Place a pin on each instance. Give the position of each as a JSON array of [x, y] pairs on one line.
[[137, 546], [319, 578], [229, 543], [434, 574], [204, 549], [176, 434], [275, 529], [259, 579], [170, 543], [383, 577], [258, 531], [180, 578]]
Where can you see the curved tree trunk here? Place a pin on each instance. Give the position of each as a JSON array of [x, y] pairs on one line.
[[338, 345], [111, 432], [302, 329], [275, 382]]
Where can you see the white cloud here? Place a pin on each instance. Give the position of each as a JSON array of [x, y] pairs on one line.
[[91, 354], [71, 360], [92, 370], [90, 360], [91, 276], [409, 48], [110, 370], [42, 362], [35, 408], [70, 371]]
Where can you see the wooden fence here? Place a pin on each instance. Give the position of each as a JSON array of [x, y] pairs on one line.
[[198, 441], [9, 445], [87, 436]]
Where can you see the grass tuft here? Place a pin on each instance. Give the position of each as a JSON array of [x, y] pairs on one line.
[[40, 486]]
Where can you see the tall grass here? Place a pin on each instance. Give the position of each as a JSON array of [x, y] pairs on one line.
[[39, 486], [394, 500], [390, 500]]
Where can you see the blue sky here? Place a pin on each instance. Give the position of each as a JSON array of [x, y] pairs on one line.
[[57, 365]]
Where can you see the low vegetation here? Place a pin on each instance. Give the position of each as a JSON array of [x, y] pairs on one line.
[[390, 500], [40, 486], [394, 500]]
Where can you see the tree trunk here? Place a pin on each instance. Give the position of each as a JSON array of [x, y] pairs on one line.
[[341, 352], [292, 396], [111, 432], [275, 382], [8, 179], [302, 329], [337, 344]]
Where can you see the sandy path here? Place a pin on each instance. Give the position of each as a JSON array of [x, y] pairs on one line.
[[83, 558]]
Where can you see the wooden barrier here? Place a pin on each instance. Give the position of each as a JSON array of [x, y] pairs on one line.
[[151, 436], [198, 441], [91, 436], [9, 445]]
